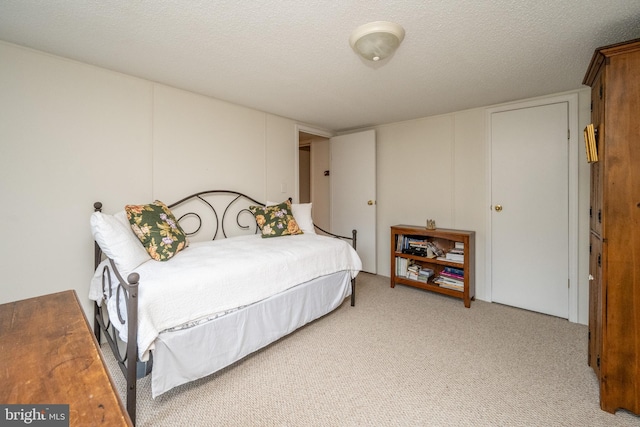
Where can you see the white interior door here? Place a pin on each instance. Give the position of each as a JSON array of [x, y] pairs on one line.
[[353, 191], [530, 212]]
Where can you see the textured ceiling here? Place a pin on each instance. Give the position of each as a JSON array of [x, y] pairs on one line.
[[292, 58]]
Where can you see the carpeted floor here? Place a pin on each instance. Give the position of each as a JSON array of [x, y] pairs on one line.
[[400, 357]]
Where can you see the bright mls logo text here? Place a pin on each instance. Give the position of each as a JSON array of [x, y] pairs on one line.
[[38, 415]]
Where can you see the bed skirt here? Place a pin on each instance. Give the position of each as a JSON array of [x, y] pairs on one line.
[[188, 354]]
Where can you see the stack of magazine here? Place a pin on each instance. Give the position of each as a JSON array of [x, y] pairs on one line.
[[411, 270], [455, 254], [451, 278], [419, 273]]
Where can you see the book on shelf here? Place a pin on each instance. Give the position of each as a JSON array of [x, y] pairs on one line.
[[450, 280], [444, 258], [449, 283], [454, 270], [435, 249], [424, 274], [402, 264], [454, 257], [451, 275], [418, 273], [399, 239], [450, 286], [417, 245], [412, 271]]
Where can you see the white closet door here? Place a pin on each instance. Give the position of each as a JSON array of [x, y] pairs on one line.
[[530, 212]]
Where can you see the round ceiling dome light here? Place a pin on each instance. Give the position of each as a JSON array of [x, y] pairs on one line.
[[377, 40]]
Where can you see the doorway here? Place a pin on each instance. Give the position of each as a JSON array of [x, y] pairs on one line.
[[304, 178], [313, 176], [342, 171]]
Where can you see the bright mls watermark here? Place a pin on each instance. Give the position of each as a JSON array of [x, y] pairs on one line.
[[34, 415]]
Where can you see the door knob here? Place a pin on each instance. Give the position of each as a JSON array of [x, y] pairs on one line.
[[498, 208], [370, 202]]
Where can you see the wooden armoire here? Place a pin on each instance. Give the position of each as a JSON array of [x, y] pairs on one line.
[[614, 267]]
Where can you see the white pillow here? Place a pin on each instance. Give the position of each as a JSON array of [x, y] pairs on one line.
[[116, 239], [302, 214]]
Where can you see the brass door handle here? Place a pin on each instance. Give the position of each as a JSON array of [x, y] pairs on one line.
[[498, 208], [370, 202]]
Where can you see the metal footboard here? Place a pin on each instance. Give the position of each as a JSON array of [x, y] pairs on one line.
[[127, 295], [353, 238]]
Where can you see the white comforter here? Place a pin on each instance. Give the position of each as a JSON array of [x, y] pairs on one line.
[[212, 277]]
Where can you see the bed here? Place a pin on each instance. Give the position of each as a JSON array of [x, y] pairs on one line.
[[217, 283]]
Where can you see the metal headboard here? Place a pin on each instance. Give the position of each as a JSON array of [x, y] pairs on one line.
[[237, 204]]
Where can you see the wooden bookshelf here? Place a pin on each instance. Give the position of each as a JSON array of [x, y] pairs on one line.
[[443, 239]]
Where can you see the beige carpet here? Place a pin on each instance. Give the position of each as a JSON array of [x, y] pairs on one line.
[[400, 357]]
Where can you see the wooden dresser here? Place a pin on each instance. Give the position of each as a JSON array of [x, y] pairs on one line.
[[614, 267], [48, 355]]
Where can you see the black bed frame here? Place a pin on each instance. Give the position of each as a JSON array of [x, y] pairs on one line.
[[127, 290]]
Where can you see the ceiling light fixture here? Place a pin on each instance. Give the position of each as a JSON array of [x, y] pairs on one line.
[[377, 40]]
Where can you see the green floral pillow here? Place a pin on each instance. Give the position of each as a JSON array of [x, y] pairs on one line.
[[276, 220], [157, 229]]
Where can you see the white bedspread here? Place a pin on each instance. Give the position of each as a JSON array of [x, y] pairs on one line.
[[216, 276]]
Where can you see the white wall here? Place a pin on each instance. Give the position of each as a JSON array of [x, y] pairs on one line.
[[72, 134], [434, 168], [280, 157]]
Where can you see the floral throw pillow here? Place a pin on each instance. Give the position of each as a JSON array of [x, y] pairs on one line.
[[157, 229], [276, 220]]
